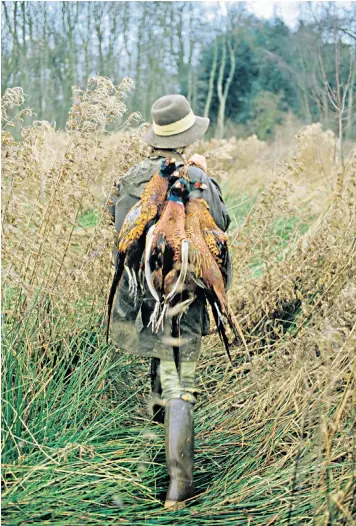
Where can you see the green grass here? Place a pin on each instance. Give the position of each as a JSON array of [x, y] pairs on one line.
[[89, 219], [80, 448], [238, 207], [76, 449]]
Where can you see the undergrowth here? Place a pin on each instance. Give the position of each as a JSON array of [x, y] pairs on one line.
[[275, 439]]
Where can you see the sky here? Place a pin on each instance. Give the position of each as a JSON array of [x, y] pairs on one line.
[[287, 10], [264, 9]]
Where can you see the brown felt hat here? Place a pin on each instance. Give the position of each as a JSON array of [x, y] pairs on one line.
[[174, 123]]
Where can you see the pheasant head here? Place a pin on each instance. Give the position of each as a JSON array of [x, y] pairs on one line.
[[168, 167], [197, 185], [180, 191], [195, 188]]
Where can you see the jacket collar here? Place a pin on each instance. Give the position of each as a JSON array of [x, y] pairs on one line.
[[166, 153]]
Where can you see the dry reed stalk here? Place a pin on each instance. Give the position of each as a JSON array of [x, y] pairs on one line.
[[275, 435]]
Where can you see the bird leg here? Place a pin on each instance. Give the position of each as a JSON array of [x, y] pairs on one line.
[[198, 281], [185, 304], [160, 321], [177, 310], [129, 275], [133, 287], [154, 316], [148, 273], [149, 280]]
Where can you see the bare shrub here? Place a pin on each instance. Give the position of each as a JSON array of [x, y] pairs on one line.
[[279, 426], [48, 246]]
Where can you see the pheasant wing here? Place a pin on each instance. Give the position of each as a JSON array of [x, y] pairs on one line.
[[139, 220], [219, 248]]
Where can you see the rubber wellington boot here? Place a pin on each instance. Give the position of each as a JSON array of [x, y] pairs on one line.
[[179, 429]]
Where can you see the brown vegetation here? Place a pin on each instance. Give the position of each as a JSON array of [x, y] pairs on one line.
[[289, 402]]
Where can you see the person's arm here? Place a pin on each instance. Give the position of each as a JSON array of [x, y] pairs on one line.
[[123, 205], [119, 204], [127, 193], [111, 202]]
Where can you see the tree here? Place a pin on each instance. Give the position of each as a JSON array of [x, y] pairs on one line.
[[338, 95], [229, 43], [330, 65], [218, 55]]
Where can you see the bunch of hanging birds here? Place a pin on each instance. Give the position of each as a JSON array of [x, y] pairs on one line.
[[171, 239]]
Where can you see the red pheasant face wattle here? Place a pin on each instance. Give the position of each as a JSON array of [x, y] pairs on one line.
[[198, 185]]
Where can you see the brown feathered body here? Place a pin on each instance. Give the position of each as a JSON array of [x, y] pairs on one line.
[[201, 259], [206, 255], [216, 240], [131, 239], [143, 213], [166, 260], [166, 250]]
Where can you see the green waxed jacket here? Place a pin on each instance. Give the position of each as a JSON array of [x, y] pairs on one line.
[[129, 325]]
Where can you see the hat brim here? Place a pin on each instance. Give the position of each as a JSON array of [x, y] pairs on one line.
[[180, 140]]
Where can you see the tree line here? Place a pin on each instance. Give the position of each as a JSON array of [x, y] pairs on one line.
[[233, 67]]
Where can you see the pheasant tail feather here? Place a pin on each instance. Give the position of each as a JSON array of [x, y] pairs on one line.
[[119, 268]]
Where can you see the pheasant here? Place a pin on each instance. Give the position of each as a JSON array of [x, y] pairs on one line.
[[214, 237], [166, 258], [207, 254], [216, 240], [131, 239]]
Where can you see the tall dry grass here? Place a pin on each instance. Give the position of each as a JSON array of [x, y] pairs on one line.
[[51, 183], [275, 437]]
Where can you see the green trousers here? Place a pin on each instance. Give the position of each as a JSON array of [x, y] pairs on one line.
[[178, 383]]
